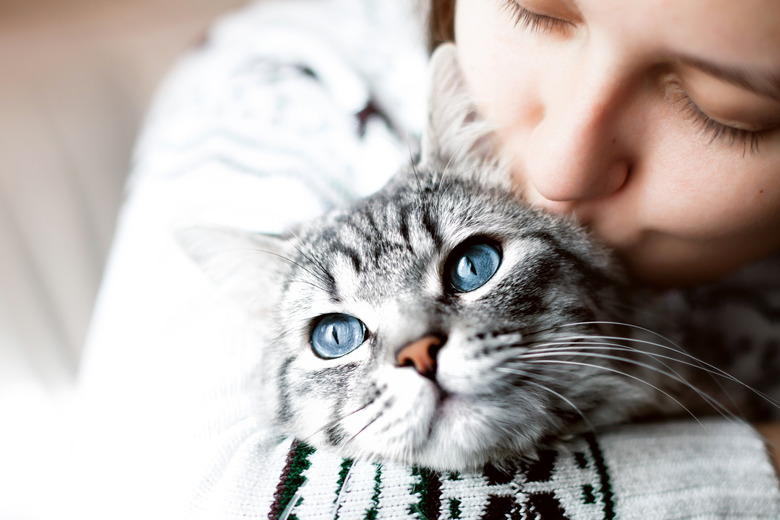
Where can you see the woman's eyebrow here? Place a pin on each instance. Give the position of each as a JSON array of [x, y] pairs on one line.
[[761, 82]]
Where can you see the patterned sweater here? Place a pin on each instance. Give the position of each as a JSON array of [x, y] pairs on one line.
[[293, 107]]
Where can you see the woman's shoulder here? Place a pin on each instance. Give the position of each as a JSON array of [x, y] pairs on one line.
[[356, 49], [304, 104]]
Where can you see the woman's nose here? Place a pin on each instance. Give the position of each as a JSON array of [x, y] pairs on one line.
[[576, 149]]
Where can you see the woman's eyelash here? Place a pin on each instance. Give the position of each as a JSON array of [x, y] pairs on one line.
[[529, 20], [749, 139]]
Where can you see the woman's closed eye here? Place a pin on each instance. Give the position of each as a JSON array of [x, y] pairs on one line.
[[719, 102], [528, 19], [720, 132], [723, 112]]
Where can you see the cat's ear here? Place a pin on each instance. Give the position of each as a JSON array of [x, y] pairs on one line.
[[454, 130], [248, 266]]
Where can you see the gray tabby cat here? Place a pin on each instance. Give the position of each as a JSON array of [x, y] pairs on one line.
[[440, 322]]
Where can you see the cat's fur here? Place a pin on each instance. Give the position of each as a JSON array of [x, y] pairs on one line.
[[526, 358]]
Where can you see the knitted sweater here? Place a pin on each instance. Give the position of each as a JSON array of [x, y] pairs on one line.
[[293, 107]]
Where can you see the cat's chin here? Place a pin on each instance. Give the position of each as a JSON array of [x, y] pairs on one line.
[[462, 434], [465, 436]]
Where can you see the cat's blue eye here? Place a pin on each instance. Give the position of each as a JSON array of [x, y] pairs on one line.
[[337, 335], [473, 265]]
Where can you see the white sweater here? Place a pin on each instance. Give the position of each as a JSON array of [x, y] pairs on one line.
[[290, 108]]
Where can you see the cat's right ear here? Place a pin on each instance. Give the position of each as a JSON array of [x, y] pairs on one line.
[[248, 266], [454, 131]]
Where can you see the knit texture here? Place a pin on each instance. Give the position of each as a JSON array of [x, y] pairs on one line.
[[717, 470], [537, 489]]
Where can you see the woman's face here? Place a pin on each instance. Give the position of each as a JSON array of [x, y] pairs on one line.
[[655, 122]]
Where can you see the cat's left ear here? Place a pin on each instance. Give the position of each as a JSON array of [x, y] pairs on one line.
[[248, 266], [454, 130]]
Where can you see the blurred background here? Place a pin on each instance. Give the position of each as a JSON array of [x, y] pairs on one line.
[[76, 77]]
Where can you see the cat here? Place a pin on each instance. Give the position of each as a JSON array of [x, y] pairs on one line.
[[441, 321]]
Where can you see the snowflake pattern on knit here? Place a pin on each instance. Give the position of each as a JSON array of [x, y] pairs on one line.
[[570, 484]]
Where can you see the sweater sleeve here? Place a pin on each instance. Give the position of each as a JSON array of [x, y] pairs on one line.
[[290, 108]]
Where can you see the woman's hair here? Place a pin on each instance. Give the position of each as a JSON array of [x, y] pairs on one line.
[[440, 22]]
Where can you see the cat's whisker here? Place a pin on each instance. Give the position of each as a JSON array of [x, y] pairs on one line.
[[536, 375], [338, 419], [342, 491], [560, 326], [576, 349], [581, 347], [291, 261], [413, 168], [531, 333], [625, 374], [593, 344], [527, 380], [626, 325], [672, 374], [694, 362], [307, 282], [293, 503], [361, 430], [711, 401], [715, 373], [589, 346], [446, 171], [324, 274]]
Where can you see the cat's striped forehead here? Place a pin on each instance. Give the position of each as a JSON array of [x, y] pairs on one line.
[[399, 241], [395, 240]]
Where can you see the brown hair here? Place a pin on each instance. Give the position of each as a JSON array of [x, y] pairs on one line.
[[441, 19]]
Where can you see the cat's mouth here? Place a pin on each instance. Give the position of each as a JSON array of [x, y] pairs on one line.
[[443, 398], [450, 408]]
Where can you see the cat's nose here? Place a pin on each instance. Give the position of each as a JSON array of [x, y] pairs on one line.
[[421, 354]]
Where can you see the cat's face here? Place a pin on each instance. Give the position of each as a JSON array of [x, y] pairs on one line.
[[437, 322]]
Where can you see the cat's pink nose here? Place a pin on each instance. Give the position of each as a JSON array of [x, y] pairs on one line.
[[421, 354]]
